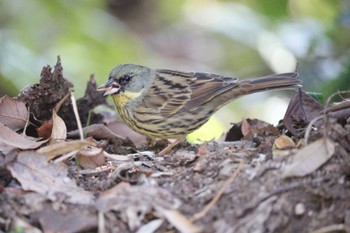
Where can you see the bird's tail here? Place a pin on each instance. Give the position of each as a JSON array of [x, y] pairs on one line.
[[275, 81]]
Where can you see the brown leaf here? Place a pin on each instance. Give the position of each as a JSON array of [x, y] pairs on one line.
[[301, 110], [13, 113], [45, 129], [310, 158], [283, 142], [135, 202], [52, 151], [35, 173], [71, 220], [99, 131], [91, 157], [59, 129], [235, 133], [255, 127], [245, 128], [124, 195], [9, 139], [179, 221]]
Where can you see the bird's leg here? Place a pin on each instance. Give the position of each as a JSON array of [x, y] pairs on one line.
[[151, 142], [171, 146]]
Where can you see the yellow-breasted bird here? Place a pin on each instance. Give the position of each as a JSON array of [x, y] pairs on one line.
[[169, 104]]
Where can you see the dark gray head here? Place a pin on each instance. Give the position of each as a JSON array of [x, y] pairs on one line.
[[127, 77]]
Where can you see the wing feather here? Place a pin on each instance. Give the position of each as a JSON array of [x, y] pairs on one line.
[[173, 91]]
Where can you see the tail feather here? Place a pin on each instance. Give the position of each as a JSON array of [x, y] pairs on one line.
[[270, 82]]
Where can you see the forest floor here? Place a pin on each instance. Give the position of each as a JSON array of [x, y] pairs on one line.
[[290, 178]]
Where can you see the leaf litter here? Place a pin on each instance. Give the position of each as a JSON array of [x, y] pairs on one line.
[[262, 178]]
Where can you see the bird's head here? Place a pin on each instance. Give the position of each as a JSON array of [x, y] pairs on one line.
[[127, 79]]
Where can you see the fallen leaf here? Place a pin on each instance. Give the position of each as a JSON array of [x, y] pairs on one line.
[[283, 142], [35, 173], [282, 146], [91, 157], [150, 227], [99, 131], [135, 202], [52, 151], [13, 113], [310, 158], [124, 195], [301, 110], [59, 129], [45, 129], [9, 139], [235, 133], [69, 220], [179, 221], [245, 128], [255, 127]]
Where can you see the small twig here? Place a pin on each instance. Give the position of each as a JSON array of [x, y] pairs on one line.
[[331, 228], [77, 117], [27, 123], [97, 170], [326, 112], [101, 223], [334, 94], [217, 196], [309, 127], [59, 104], [66, 156]]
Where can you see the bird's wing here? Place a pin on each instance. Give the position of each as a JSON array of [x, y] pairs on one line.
[[207, 86], [174, 91]]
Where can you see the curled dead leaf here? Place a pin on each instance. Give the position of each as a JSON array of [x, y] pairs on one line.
[[9, 139], [13, 113], [310, 158]]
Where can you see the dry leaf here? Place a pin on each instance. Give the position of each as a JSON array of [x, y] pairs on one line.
[[301, 110], [179, 221], [67, 220], [13, 113], [310, 158], [45, 129], [52, 151], [96, 131], [135, 202], [282, 146], [245, 128], [9, 139], [283, 142], [150, 227], [35, 173], [91, 157], [235, 133], [255, 127], [59, 129]]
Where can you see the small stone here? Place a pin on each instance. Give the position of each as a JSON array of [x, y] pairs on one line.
[[299, 209]]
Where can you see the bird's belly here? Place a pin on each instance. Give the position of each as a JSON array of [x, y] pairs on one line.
[[156, 126]]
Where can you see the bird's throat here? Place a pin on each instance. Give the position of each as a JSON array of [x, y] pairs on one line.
[[122, 98]]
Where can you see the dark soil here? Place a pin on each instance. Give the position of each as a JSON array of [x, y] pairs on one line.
[[256, 196]]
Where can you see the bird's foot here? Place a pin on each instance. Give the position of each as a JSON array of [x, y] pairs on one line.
[[171, 146]]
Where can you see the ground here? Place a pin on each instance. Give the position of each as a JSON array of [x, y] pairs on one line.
[[289, 178]]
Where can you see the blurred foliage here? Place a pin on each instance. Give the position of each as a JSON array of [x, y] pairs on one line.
[[243, 37]]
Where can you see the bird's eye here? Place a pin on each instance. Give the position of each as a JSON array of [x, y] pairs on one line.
[[125, 80]]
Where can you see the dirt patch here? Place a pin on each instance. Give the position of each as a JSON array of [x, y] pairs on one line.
[[249, 184]]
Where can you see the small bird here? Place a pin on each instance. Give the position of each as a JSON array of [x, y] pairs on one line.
[[170, 104]]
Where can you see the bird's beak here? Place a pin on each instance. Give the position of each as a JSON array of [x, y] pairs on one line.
[[110, 87]]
